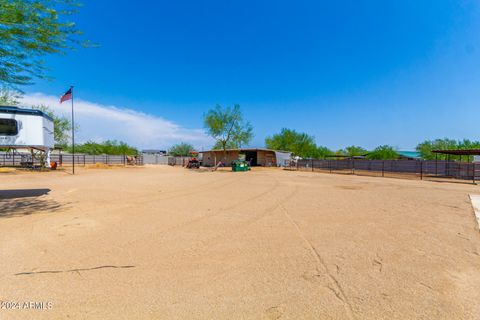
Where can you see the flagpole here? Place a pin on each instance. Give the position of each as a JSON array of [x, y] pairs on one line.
[[73, 134]]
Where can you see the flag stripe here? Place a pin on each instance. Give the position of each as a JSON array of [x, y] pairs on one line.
[[66, 96]]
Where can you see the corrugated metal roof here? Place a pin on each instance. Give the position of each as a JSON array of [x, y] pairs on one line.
[[154, 151], [410, 154]]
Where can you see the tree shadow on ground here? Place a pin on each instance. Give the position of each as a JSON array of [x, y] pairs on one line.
[[22, 202], [22, 193]]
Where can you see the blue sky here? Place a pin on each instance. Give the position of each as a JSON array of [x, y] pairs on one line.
[[348, 72]]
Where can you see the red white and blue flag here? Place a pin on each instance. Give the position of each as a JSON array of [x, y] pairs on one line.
[[66, 96]]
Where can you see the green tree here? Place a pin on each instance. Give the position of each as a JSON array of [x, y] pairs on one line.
[[62, 126], [425, 148], [300, 144], [89, 147], [230, 145], [227, 127], [9, 97], [322, 152], [113, 147], [384, 152], [468, 144], [180, 149], [340, 152], [31, 30], [353, 151]]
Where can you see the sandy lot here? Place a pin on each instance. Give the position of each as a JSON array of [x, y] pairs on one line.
[[168, 243]]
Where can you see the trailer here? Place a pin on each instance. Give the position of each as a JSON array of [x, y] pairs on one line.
[[22, 128]]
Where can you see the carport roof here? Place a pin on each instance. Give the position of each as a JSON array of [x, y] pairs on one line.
[[459, 152]]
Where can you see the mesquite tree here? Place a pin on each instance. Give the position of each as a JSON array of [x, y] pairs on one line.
[[228, 128], [31, 30]]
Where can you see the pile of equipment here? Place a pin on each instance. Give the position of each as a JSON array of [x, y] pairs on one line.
[[193, 162]]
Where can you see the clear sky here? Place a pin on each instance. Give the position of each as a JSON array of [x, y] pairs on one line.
[[348, 72]]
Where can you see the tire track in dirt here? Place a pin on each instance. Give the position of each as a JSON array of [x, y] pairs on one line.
[[181, 193], [216, 213], [322, 268], [148, 198], [222, 210], [206, 243], [217, 184], [239, 203], [228, 181]]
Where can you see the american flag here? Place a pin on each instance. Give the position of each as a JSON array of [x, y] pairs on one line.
[[66, 96]]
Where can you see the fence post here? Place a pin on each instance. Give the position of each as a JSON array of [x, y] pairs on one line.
[[459, 170], [312, 164], [421, 170], [353, 166], [84, 160], [383, 168], [330, 165], [447, 168], [106, 159], [474, 173]]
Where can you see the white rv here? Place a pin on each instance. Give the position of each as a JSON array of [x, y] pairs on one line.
[[26, 129]]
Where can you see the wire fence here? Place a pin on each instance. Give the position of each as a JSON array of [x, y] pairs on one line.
[[421, 169], [21, 159]]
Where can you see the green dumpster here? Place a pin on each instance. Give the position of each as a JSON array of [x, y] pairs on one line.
[[240, 165]]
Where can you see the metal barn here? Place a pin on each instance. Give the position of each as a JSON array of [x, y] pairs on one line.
[[255, 156]]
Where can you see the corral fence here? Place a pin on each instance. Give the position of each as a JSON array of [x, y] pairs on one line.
[[164, 160], [178, 161], [149, 158], [24, 159], [421, 169]]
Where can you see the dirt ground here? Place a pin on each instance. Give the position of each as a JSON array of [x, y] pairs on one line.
[[169, 243]]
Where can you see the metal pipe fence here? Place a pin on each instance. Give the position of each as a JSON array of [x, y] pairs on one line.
[[421, 169], [165, 160], [20, 159], [178, 161]]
